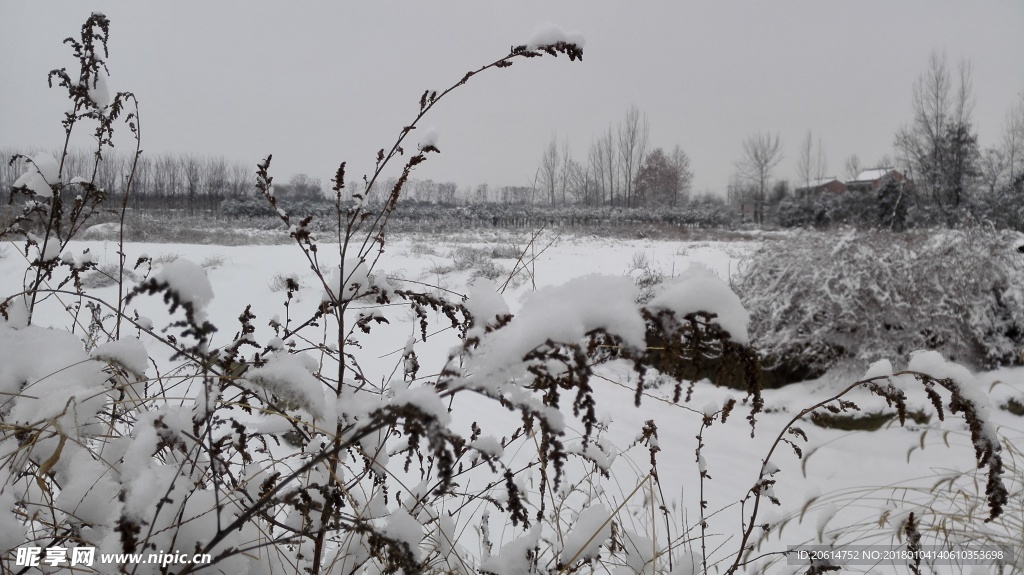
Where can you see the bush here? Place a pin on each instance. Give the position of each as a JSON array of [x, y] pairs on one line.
[[818, 299], [645, 277], [294, 449]]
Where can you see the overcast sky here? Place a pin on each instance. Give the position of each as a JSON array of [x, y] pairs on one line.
[[318, 83]]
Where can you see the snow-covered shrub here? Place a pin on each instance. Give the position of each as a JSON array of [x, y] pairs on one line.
[[506, 251], [645, 277], [106, 275], [816, 299], [293, 446], [468, 257]]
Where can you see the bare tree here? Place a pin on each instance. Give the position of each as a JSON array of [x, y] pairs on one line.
[[565, 169], [595, 166], [447, 193], [804, 163], [191, 169], [994, 166], [811, 165], [242, 181], [142, 183], [603, 159], [656, 183], [762, 153], [820, 162], [216, 180], [939, 147], [633, 133], [581, 183], [482, 194], [853, 167], [548, 173], [680, 162], [1013, 140]]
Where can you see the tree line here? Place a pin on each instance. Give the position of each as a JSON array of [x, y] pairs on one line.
[[620, 170], [950, 179], [189, 182]]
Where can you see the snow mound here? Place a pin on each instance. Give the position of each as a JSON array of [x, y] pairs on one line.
[[562, 313], [699, 289]]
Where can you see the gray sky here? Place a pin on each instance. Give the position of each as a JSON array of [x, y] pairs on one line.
[[316, 83]]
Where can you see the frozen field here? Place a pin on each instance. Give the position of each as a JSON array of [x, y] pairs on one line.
[[865, 479]]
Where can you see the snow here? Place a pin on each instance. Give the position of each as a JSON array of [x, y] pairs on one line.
[[592, 528], [99, 93], [127, 352], [188, 280], [12, 532], [514, 557], [35, 182], [821, 181], [933, 364], [42, 371], [87, 490], [41, 172], [872, 174], [427, 400], [699, 289], [290, 377], [600, 452], [17, 313], [356, 280], [403, 528], [429, 139], [445, 535], [562, 314], [639, 553], [488, 445], [50, 248], [824, 517], [880, 368], [547, 34], [485, 303], [568, 301]]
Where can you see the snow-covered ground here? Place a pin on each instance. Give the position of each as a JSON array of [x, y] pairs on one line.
[[866, 479]]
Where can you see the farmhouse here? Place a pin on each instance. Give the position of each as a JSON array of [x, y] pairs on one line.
[[830, 185], [870, 180]]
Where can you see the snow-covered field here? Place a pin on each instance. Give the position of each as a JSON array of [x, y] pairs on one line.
[[868, 480]]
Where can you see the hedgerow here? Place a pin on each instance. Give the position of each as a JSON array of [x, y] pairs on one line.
[[819, 299]]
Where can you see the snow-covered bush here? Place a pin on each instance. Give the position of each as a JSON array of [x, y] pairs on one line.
[[645, 277], [816, 299], [296, 447]]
